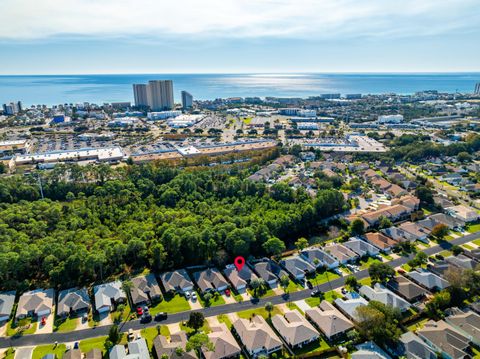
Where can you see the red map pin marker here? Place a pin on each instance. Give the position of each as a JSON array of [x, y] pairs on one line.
[[239, 262]]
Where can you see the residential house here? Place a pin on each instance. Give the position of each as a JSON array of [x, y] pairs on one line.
[[428, 279], [370, 175], [35, 303], [108, 296], [360, 247], [72, 302], [385, 296], [463, 261], [415, 231], [256, 336], [408, 201], [177, 281], [297, 267], [398, 234], [7, 299], [72, 354], [137, 349], [169, 346], [224, 343], [439, 267], [94, 354], [210, 279], [466, 322], [294, 329], [145, 289], [319, 258], [412, 347], [239, 279], [381, 241], [443, 338], [349, 305], [341, 253], [394, 213], [442, 202], [463, 213], [407, 289], [369, 350], [331, 322], [435, 219], [451, 178], [269, 271]]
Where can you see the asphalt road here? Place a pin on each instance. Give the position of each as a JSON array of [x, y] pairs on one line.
[[39, 339]]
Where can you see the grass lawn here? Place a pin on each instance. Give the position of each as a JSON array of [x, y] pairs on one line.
[[366, 264], [247, 314], [14, 329], [474, 228], [476, 353], [406, 267], [171, 304], [119, 316], [293, 287], [65, 324], [323, 277], [89, 344], [313, 301], [477, 242], [293, 306], [267, 293], [417, 324], [223, 318], [150, 333], [467, 246], [317, 345], [365, 281], [213, 302], [386, 256], [9, 354], [42, 350], [446, 253], [188, 330]]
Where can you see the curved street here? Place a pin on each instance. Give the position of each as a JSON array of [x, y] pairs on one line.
[[39, 339]]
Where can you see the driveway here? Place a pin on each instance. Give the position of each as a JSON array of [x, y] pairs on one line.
[[48, 327], [228, 299], [302, 305], [195, 304], [24, 353], [3, 328]]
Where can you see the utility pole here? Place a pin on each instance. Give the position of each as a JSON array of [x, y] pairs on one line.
[[40, 185]]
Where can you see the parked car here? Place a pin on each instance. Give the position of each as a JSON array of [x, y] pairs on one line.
[[146, 318], [309, 284], [43, 321], [194, 296], [187, 295], [161, 316], [227, 292], [139, 311]]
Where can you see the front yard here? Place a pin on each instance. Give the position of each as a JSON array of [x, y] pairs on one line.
[[65, 324], [93, 343], [247, 314], [171, 304], [42, 350], [25, 326]]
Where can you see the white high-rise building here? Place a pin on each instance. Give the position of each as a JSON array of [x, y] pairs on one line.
[[160, 95], [140, 95], [187, 100], [477, 88]]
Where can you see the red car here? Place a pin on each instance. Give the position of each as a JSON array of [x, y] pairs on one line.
[[139, 311], [43, 321], [227, 292]]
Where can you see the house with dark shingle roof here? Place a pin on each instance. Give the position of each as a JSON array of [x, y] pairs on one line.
[[361, 247], [412, 347], [297, 267], [319, 258], [240, 279], [466, 322], [443, 338], [407, 289], [427, 279], [269, 271]]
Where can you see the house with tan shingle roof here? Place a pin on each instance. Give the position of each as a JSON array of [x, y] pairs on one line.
[[173, 347], [145, 289], [225, 345], [256, 336], [295, 329], [331, 322], [177, 281], [443, 338], [36, 303], [210, 279], [73, 301], [341, 253], [407, 289], [381, 241], [239, 279]]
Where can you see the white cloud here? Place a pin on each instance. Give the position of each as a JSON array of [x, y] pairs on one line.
[[36, 19]]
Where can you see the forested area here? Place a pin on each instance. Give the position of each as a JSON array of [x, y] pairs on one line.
[[96, 222]]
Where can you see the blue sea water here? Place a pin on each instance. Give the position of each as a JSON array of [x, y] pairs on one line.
[[55, 89]]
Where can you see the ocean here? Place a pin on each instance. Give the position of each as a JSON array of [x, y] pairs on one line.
[[56, 89]]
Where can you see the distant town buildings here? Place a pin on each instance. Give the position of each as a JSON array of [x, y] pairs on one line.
[[187, 100], [390, 119], [12, 108], [157, 94]]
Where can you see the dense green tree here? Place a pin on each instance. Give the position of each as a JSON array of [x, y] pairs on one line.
[[381, 272], [196, 320]]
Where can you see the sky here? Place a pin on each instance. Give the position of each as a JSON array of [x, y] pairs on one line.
[[235, 36]]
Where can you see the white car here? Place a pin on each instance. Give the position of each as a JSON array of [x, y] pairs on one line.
[[194, 296], [187, 295]]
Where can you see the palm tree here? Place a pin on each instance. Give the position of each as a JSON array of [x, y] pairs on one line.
[[269, 308]]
